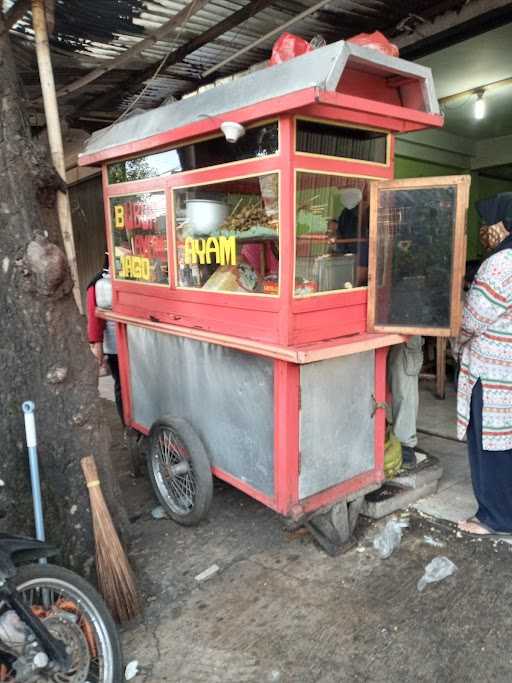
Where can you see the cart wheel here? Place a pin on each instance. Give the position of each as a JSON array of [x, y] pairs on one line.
[[179, 470]]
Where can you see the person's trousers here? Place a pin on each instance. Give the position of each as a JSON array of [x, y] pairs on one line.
[[491, 472], [404, 366], [113, 364]]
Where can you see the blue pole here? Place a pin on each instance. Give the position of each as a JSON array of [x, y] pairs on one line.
[[28, 408]]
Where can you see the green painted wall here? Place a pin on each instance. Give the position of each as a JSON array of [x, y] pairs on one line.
[[480, 187], [416, 168]]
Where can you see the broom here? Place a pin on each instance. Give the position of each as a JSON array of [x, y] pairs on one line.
[[115, 576]]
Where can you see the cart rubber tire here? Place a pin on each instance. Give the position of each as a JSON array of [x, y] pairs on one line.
[[201, 470]]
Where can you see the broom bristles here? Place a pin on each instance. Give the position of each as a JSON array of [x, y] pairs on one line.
[[115, 576]]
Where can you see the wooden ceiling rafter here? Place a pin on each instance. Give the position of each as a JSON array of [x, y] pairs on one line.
[[178, 55], [15, 13], [165, 31]]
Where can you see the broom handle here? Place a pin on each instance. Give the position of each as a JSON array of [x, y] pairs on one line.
[[90, 471]]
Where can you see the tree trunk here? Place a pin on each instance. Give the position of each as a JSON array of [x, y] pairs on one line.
[[44, 355]]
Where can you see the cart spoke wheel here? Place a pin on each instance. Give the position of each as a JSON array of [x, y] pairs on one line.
[[179, 470], [174, 472]]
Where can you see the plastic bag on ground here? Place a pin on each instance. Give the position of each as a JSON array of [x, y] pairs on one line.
[[437, 570], [389, 538]]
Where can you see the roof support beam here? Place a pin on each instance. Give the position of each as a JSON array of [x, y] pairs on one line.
[[450, 22], [164, 32], [179, 55], [208, 36], [278, 29]]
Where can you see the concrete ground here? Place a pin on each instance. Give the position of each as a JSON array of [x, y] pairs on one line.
[[279, 609], [454, 499]]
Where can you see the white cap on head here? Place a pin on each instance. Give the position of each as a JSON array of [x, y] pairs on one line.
[[351, 197]]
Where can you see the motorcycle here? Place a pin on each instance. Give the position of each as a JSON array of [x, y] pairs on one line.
[[53, 625]]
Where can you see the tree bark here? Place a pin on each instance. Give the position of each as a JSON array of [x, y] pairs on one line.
[[44, 355]]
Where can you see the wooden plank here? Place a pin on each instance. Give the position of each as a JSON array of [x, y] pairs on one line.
[[275, 31], [441, 343], [55, 137], [239, 343], [357, 344], [459, 254], [372, 255], [165, 31], [342, 346]]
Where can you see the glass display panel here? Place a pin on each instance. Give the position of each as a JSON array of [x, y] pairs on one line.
[[340, 141], [139, 240], [260, 141], [227, 235], [414, 251], [331, 233]]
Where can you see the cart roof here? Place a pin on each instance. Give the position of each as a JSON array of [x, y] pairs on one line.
[[319, 70]]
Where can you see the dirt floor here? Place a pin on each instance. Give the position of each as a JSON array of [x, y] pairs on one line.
[[279, 609]]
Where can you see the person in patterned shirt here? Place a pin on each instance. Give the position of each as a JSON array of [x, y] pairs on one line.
[[484, 395]]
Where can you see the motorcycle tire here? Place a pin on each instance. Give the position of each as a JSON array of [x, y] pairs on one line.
[[49, 579]]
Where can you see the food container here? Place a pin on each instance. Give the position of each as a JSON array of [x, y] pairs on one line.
[[271, 285], [303, 286], [205, 216]]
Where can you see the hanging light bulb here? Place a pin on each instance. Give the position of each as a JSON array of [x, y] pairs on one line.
[[479, 110]]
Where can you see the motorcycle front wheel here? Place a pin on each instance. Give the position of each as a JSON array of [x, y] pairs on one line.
[[76, 614]]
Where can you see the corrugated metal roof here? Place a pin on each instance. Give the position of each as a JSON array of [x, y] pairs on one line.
[[90, 33]]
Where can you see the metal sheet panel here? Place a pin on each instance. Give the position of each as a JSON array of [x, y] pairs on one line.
[[321, 69], [309, 70], [336, 427], [227, 396]]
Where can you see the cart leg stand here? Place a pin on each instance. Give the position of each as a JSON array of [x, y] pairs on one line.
[[28, 408], [333, 528]]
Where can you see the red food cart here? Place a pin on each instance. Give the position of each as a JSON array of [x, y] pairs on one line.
[[243, 225]]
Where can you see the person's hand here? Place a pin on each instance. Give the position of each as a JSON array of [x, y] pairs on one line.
[[97, 351]]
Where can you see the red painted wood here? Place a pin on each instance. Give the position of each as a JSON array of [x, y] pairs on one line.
[[202, 127], [124, 372], [328, 324], [170, 240], [246, 324], [362, 104], [340, 491], [380, 415], [361, 84], [327, 301], [286, 434], [287, 222], [306, 162], [226, 172], [352, 116], [139, 294], [246, 488], [133, 187]]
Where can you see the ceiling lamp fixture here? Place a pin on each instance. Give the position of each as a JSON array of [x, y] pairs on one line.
[[479, 110]]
